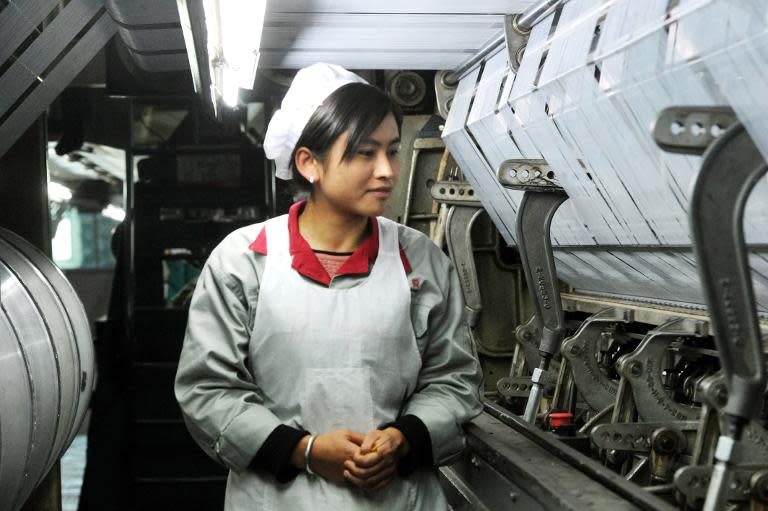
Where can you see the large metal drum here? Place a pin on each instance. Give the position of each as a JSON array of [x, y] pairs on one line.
[[46, 367]]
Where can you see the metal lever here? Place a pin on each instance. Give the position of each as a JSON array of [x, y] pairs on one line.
[[732, 166], [533, 237], [458, 237]]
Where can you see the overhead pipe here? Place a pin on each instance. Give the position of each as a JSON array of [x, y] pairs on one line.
[[522, 23]]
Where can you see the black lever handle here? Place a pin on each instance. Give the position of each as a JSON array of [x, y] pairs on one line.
[[534, 218], [732, 166]]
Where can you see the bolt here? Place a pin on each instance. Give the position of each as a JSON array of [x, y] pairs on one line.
[[666, 441], [635, 368], [759, 484], [527, 335], [474, 461], [720, 394], [574, 349], [519, 54]]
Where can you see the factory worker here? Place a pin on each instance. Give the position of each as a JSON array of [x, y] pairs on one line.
[[327, 362]]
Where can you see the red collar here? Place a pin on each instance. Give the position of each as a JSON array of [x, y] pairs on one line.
[[306, 262]]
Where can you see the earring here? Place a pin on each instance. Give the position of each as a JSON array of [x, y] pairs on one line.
[[311, 180]]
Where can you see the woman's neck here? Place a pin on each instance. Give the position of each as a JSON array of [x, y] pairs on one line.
[[324, 228]]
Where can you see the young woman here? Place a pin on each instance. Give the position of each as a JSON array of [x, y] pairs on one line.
[[327, 362]]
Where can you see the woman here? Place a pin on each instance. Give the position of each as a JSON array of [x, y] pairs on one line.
[[326, 360]]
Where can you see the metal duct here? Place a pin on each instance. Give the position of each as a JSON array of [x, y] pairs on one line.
[[46, 367]]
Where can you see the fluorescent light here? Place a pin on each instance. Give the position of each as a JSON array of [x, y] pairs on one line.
[[114, 212], [189, 42], [58, 192], [234, 30]]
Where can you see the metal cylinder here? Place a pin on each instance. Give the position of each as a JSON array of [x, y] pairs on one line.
[[536, 12], [46, 367]]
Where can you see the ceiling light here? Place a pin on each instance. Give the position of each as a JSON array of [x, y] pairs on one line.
[[227, 45]]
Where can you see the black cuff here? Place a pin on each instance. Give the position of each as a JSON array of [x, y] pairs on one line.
[[417, 434], [274, 455]]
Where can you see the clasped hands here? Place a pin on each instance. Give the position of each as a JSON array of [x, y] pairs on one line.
[[367, 461]]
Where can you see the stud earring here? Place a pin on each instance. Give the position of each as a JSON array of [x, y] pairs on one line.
[[311, 180]]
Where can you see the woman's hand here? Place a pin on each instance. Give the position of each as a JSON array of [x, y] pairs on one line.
[[375, 464], [329, 452]]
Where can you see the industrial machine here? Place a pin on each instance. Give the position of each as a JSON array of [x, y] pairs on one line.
[[620, 147], [594, 168]]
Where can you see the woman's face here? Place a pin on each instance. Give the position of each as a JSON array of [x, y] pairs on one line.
[[362, 184]]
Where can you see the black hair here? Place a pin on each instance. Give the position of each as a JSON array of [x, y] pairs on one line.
[[355, 108]]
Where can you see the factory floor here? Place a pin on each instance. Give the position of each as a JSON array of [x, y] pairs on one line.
[[72, 470]]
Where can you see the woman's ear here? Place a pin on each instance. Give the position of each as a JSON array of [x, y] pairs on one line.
[[307, 165]]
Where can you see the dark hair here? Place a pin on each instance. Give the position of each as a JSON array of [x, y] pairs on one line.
[[357, 108]]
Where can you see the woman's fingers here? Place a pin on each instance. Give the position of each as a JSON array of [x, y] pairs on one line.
[[375, 481], [367, 460], [355, 437], [371, 440], [380, 481], [368, 472]]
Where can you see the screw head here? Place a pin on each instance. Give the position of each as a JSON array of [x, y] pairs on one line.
[[721, 395], [635, 368]]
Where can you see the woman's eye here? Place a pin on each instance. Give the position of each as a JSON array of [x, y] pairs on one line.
[[366, 153], [394, 152]]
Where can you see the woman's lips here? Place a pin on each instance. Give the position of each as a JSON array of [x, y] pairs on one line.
[[381, 192]]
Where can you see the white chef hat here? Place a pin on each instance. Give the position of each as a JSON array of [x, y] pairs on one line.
[[311, 86]]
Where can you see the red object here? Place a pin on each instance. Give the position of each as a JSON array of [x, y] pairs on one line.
[[560, 419], [305, 261]]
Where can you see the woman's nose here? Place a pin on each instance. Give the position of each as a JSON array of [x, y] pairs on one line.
[[386, 167]]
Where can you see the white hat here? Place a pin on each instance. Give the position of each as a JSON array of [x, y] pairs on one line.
[[310, 87]]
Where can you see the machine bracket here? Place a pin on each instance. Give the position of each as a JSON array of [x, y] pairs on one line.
[[691, 129], [516, 39], [455, 193], [642, 369], [528, 175], [635, 437], [692, 481], [581, 351]]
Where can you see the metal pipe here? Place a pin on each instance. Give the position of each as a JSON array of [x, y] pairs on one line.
[[523, 23], [492, 46], [535, 13]]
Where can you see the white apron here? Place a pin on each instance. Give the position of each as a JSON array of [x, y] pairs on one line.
[[327, 359]]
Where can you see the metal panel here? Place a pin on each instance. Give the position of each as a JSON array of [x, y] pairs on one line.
[[160, 39], [143, 12], [18, 20], [400, 6], [350, 59], [375, 41], [44, 50], [59, 77], [162, 62]]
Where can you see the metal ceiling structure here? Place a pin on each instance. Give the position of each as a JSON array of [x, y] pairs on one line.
[[43, 46], [356, 34]]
